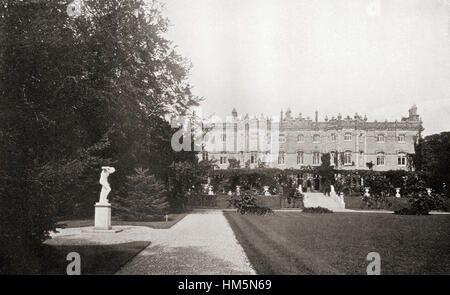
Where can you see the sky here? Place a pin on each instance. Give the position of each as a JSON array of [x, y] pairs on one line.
[[371, 57]]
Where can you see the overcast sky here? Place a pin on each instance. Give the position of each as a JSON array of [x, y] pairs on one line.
[[374, 57]]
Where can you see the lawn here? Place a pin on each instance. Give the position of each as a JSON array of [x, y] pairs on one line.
[[95, 259], [172, 220], [338, 243]]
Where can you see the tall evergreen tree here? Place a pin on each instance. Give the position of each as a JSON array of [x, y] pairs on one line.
[[144, 198]]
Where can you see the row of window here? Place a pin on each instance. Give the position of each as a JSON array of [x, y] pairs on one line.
[[401, 158], [347, 137], [381, 158], [316, 138]]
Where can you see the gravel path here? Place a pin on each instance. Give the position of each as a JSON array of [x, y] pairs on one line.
[[201, 243]]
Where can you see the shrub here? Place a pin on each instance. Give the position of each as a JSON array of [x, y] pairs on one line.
[[187, 177], [294, 197], [377, 201], [145, 198], [246, 203], [422, 204], [318, 210]]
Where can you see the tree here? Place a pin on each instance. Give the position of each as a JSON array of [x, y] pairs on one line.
[[234, 164], [326, 172], [144, 198], [187, 177], [77, 93], [369, 165], [433, 157]]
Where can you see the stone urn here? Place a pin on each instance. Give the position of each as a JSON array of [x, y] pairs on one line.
[[397, 192], [210, 191], [266, 190], [429, 191], [238, 190], [366, 194]]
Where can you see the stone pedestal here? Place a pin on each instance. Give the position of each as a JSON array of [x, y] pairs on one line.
[[102, 216]]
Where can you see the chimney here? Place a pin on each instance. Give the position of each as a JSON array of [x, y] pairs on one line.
[[234, 113], [317, 116]]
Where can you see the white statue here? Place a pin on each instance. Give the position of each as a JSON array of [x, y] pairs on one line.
[[397, 192], [106, 171], [266, 190]]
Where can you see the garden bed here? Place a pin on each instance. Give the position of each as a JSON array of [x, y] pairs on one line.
[[221, 201]]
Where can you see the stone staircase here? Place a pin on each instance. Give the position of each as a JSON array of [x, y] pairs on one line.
[[332, 202]]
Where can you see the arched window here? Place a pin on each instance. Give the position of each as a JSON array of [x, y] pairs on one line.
[[380, 159], [348, 158], [299, 157], [316, 138], [380, 138], [300, 138], [401, 159]]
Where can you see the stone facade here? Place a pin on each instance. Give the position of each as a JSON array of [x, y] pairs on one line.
[[288, 142]]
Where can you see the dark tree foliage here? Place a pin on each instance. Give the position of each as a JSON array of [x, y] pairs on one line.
[[143, 198], [246, 203], [234, 164], [432, 156], [326, 171], [77, 93], [187, 177]]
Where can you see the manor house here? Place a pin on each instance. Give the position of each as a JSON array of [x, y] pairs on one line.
[[295, 142]]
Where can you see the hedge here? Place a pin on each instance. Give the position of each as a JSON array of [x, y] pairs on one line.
[[221, 201], [357, 203]]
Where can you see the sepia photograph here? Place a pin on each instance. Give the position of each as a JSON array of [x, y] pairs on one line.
[[245, 140]]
